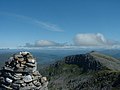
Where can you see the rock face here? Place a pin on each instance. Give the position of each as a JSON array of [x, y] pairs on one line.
[[20, 73], [90, 71], [94, 61], [86, 61]]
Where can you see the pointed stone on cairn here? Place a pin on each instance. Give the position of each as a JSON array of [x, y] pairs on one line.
[[20, 73]]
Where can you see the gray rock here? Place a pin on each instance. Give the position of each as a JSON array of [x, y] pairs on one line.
[[27, 78], [30, 64], [20, 73]]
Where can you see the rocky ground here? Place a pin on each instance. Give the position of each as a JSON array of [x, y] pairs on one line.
[[20, 73], [90, 71]]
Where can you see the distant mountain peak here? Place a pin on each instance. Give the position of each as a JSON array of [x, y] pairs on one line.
[[90, 71], [94, 60]]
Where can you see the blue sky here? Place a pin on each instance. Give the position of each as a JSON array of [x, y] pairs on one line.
[[45, 23]]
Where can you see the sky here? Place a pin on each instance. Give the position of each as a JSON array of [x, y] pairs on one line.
[[59, 23]]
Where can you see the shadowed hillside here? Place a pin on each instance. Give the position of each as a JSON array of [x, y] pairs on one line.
[[90, 71]]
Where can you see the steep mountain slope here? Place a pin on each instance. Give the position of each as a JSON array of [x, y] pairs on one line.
[[90, 71]]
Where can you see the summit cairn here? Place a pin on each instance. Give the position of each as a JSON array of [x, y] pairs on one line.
[[20, 73]]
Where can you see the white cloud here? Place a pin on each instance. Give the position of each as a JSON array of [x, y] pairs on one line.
[[81, 41], [49, 26], [90, 40], [43, 43], [45, 25]]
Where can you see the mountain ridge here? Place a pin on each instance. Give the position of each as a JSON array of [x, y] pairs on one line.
[[90, 71]]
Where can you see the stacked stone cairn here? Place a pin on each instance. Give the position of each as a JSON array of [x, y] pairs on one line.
[[20, 73]]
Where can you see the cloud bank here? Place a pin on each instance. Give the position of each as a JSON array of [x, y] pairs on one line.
[[90, 40], [43, 43]]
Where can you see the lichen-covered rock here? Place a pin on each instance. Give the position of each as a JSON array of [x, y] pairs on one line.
[[20, 73]]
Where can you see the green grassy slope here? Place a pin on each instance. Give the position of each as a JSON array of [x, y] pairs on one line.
[[74, 76]]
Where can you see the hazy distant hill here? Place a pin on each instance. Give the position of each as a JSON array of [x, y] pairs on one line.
[[42, 56], [50, 56], [114, 52], [90, 71]]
